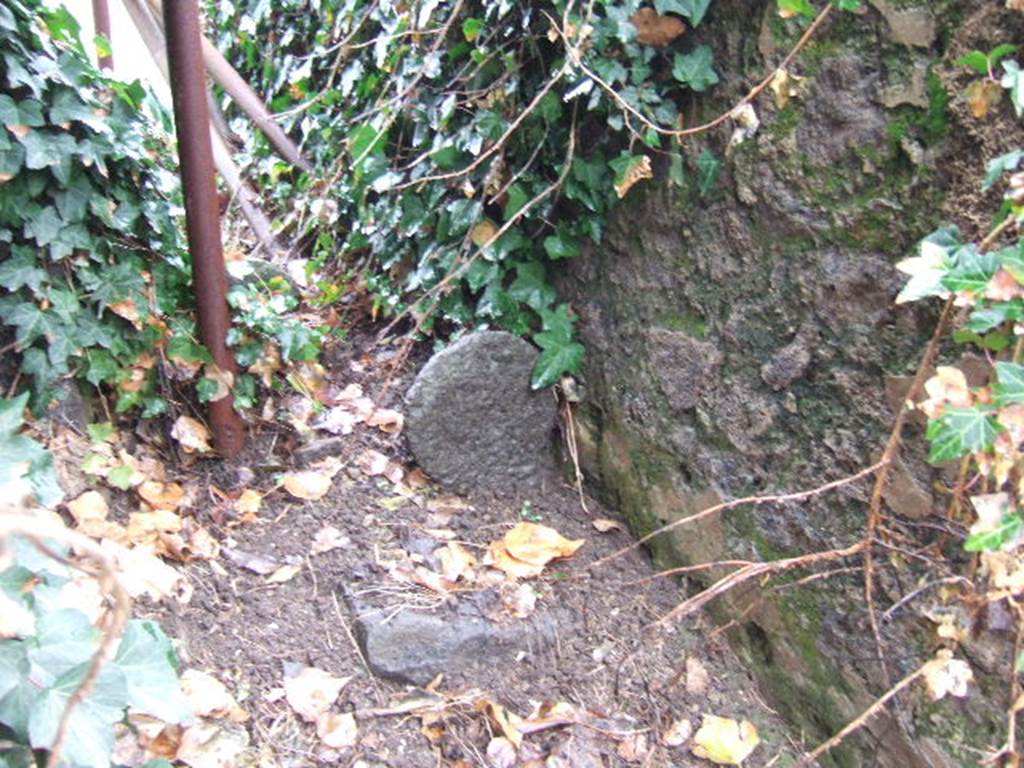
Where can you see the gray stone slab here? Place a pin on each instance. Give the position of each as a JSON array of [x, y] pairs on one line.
[[414, 647], [473, 422]]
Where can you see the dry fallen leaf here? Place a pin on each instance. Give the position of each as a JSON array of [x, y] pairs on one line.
[[678, 733], [249, 502], [983, 96], [519, 600], [167, 496], [602, 525], [222, 380], [191, 434], [483, 232], [337, 731], [211, 745], [724, 741], [141, 571], [633, 748], [697, 677], [307, 484], [90, 506], [538, 544], [311, 691], [209, 697], [507, 722], [501, 753], [499, 557], [283, 574], [386, 420], [457, 562], [638, 170], [653, 28], [328, 538], [944, 674]]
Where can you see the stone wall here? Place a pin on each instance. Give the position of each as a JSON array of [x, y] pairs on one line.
[[746, 342]]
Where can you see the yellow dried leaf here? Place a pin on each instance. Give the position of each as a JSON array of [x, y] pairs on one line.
[[512, 567], [283, 574], [677, 734], [785, 86], [191, 434], [268, 364], [209, 697], [653, 28], [249, 501], [386, 420], [602, 525], [312, 691], [337, 731], [507, 722], [328, 538], [223, 380], [483, 232], [983, 96], [144, 527], [457, 562], [307, 484], [166, 496], [638, 170], [89, 507], [538, 544], [128, 310], [944, 674], [725, 741]]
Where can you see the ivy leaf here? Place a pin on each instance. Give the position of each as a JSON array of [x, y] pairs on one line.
[[27, 112], [961, 431], [559, 353], [531, 286], [1000, 165], [847, 5], [971, 270], [1009, 387], [146, 658], [693, 10], [1013, 81], [90, 736], [65, 638], [975, 60], [21, 270], [695, 68], [708, 169], [44, 149], [560, 246], [993, 539], [790, 8], [985, 318]]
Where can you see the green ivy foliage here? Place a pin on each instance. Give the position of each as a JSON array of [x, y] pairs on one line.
[[46, 662], [85, 205], [95, 275], [434, 125]]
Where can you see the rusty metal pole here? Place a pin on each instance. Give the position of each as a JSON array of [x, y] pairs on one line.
[[101, 20], [202, 215]]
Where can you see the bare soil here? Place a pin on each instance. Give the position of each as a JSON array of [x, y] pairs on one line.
[[630, 679]]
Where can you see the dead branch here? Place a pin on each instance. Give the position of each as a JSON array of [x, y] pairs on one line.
[[573, 54], [39, 529], [756, 500], [864, 716], [756, 571]]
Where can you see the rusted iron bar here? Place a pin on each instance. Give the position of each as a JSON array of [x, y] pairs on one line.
[[101, 20], [227, 77], [248, 201], [202, 217]]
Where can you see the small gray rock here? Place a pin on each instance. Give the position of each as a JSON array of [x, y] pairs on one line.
[[414, 647], [473, 422]]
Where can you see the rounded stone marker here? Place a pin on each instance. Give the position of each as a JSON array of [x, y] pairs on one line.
[[472, 420]]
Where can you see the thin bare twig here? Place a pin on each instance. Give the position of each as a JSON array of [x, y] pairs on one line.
[[757, 500], [39, 529], [866, 715]]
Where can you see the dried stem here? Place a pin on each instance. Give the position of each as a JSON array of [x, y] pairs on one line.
[[757, 500], [38, 530], [866, 715]]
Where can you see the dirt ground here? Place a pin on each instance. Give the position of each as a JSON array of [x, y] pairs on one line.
[[628, 683]]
